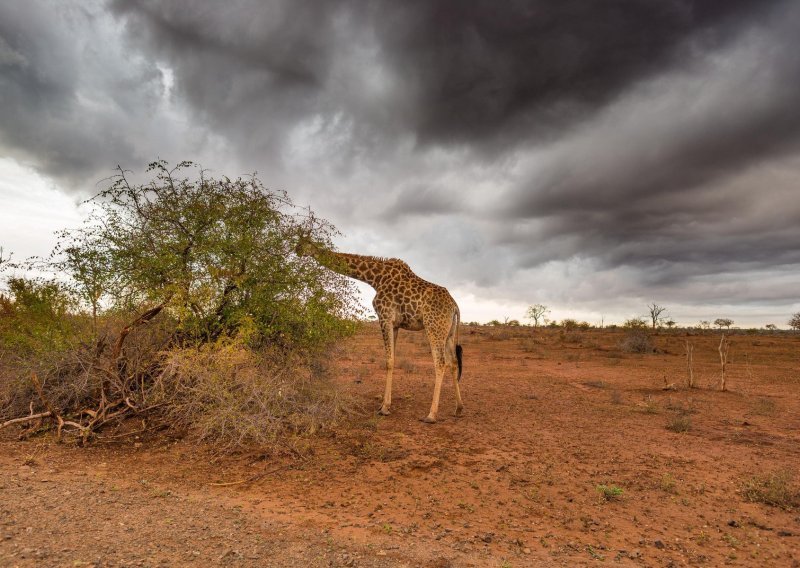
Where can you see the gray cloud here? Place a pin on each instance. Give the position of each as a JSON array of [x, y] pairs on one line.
[[691, 165], [75, 102]]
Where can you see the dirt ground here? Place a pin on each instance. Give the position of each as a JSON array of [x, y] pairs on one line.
[[550, 419]]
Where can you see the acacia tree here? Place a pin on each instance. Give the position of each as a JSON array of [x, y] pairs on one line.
[[655, 313], [723, 322], [536, 312], [794, 322], [214, 254]]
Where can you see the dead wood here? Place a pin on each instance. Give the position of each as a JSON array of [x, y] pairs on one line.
[[724, 347], [25, 419], [144, 318], [689, 361]]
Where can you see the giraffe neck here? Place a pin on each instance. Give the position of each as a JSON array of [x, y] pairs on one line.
[[368, 269]]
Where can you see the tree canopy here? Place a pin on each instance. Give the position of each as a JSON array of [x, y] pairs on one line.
[[215, 254]]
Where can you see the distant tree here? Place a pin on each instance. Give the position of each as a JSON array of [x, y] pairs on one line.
[[670, 323], [494, 322], [513, 323], [655, 312], [536, 313], [723, 322], [704, 324], [771, 327], [794, 323]]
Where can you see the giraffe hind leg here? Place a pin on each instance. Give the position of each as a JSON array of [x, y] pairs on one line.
[[453, 364], [438, 349]]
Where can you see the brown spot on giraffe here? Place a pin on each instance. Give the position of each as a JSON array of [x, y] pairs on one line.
[[403, 300]]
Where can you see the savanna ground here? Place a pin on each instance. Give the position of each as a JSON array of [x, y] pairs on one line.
[[569, 453]]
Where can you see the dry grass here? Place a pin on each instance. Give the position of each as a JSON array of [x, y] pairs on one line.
[[232, 396], [776, 489], [679, 423]]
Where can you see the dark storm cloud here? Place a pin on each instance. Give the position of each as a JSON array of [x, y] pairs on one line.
[[54, 115], [680, 169], [485, 69], [461, 71]]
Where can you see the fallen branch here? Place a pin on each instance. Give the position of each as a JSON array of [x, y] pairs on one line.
[[25, 419]]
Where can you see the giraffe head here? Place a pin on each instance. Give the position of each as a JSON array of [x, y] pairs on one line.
[[306, 246]]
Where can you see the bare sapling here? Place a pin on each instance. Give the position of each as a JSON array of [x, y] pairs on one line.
[[690, 361], [724, 347]]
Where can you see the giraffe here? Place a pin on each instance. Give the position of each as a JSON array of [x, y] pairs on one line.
[[403, 300]]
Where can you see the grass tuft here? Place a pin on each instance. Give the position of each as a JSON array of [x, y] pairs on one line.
[[775, 488]]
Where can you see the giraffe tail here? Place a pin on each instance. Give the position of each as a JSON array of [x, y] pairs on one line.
[[459, 349], [459, 352]]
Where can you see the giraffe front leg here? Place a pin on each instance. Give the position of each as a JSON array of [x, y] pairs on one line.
[[389, 338]]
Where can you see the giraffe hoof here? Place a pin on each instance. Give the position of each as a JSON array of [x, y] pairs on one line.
[[459, 412], [428, 420], [384, 411]]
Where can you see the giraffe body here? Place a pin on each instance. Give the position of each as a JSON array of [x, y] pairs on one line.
[[403, 300]]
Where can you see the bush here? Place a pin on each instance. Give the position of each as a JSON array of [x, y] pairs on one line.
[[637, 341], [36, 317], [39, 325], [635, 323], [185, 303]]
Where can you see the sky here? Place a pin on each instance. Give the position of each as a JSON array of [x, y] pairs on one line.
[[594, 157]]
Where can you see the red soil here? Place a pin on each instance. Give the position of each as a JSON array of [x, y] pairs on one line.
[[548, 418]]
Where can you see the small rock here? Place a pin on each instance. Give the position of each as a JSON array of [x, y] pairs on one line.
[[785, 533], [733, 523], [526, 550], [658, 544]]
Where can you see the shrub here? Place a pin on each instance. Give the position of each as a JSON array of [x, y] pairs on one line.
[[637, 341], [569, 324], [37, 316], [635, 323]]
